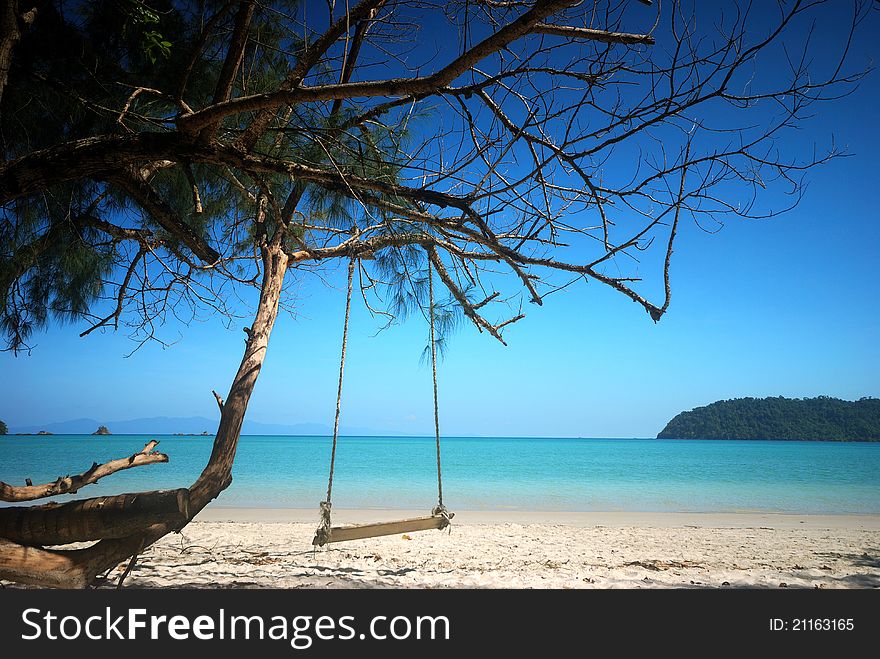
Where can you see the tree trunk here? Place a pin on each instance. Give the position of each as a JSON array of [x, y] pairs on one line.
[[40, 567], [93, 519], [9, 35], [79, 568]]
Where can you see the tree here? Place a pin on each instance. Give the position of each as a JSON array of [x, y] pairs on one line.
[[3, 428], [156, 166]]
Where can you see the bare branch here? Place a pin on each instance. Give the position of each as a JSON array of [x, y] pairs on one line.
[[197, 197], [593, 35], [199, 45], [234, 56], [72, 484], [159, 210], [120, 296], [129, 568], [673, 231], [364, 9], [393, 87], [461, 298]]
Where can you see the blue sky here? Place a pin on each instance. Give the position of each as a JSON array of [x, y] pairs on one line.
[[787, 306]]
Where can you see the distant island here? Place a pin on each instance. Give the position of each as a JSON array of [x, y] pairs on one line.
[[191, 425], [102, 430], [822, 418]]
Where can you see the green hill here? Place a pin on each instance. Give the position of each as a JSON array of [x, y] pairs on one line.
[[821, 418]]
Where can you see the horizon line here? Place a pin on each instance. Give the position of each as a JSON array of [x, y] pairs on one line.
[[392, 435]]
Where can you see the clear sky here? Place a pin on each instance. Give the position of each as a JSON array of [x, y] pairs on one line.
[[787, 306]]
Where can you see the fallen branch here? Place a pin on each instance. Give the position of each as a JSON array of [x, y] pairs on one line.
[[70, 484]]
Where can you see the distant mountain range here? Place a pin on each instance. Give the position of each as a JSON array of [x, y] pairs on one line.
[[166, 425]]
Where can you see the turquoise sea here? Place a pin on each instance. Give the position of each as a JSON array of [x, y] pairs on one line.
[[487, 473]]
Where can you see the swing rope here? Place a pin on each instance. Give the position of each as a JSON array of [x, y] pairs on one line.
[[440, 509], [323, 531]]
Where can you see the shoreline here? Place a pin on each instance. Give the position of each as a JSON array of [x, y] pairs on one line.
[[227, 547], [575, 519], [592, 550]]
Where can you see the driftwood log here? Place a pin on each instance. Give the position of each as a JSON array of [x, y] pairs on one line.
[[93, 519], [79, 568], [39, 567]]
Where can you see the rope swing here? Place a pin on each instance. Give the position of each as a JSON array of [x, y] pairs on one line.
[[324, 532], [440, 518], [440, 509]]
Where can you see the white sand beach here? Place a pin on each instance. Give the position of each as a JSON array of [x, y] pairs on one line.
[[271, 548]]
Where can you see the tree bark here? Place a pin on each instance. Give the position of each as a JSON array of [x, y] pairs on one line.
[[9, 36], [39, 567], [79, 568], [93, 519], [588, 34], [232, 63]]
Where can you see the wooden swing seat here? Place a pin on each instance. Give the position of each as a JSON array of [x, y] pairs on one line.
[[376, 529], [439, 517]]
